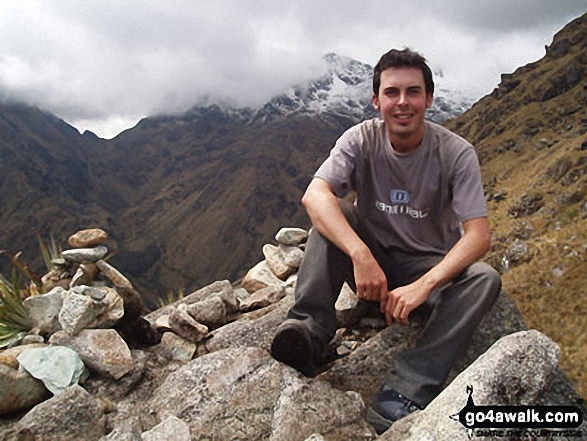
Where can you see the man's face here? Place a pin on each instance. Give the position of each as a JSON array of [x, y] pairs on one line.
[[402, 101]]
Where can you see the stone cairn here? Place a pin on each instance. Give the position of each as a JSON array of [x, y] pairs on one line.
[[77, 323]]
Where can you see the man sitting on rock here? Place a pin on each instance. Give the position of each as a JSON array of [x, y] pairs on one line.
[[412, 239]]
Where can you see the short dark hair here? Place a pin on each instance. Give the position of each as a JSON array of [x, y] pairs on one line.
[[403, 58]]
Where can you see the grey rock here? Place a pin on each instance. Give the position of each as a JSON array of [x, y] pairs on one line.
[[292, 255], [19, 390], [275, 261], [114, 275], [518, 252], [57, 367], [85, 275], [78, 311], [220, 288], [211, 312], [102, 350], [259, 277], [44, 310], [72, 415], [90, 307], [514, 371], [185, 326], [291, 236], [127, 431], [262, 298], [244, 394], [85, 255], [258, 331], [171, 429], [173, 347]]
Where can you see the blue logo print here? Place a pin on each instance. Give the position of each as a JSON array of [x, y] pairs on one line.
[[399, 197]]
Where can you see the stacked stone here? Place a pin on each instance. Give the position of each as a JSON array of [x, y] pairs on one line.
[[190, 320], [281, 262], [75, 317]]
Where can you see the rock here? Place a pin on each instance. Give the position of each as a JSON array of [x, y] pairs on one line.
[[72, 415], [173, 347], [126, 431], [9, 357], [221, 288], [259, 277], [88, 238], [516, 253], [116, 390], [77, 311], [291, 236], [19, 390], [185, 326], [102, 350], [260, 330], [514, 371], [292, 256], [85, 275], [527, 204], [171, 429], [44, 310], [57, 367], [276, 263], [90, 307], [85, 255], [211, 312], [113, 275], [264, 297], [347, 298], [244, 394]]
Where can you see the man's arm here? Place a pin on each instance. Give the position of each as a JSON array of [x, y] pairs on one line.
[[324, 210], [473, 245]]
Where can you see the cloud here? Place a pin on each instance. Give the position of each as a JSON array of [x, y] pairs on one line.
[[109, 63]]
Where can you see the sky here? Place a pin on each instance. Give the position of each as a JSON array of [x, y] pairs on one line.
[[103, 65]]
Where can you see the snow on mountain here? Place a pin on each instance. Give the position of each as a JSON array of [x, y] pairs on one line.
[[345, 90]]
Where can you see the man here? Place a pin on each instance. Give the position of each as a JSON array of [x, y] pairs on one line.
[[413, 239]]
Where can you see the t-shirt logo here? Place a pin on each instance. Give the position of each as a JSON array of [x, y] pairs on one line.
[[399, 197]]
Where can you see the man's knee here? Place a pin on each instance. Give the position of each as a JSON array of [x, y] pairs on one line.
[[488, 277]]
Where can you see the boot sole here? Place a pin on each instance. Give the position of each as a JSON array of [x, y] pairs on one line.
[[292, 345]]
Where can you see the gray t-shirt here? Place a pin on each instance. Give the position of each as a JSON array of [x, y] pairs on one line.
[[417, 201]]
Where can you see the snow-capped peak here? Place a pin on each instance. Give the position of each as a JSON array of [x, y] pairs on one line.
[[345, 89]]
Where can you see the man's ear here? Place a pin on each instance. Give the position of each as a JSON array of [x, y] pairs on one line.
[[375, 101], [429, 99]]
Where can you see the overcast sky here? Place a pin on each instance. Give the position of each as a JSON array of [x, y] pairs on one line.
[[104, 64]]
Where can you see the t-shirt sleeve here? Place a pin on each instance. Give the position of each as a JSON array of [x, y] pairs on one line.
[[468, 196], [340, 168]]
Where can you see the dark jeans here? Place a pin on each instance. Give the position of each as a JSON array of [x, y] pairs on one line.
[[454, 310]]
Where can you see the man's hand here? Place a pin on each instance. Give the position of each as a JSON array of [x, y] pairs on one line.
[[369, 277], [398, 303]]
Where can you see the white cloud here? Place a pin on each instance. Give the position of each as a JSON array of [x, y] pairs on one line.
[[107, 63]]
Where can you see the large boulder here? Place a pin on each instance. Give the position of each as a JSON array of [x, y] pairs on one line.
[[243, 393], [514, 371]]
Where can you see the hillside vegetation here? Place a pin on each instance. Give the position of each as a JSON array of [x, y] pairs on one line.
[[530, 137]]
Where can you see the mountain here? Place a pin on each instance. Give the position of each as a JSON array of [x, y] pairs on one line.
[[530, 134], [178, 192]]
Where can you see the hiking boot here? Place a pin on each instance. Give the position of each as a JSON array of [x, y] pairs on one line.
[[388, 407], [293, 346]]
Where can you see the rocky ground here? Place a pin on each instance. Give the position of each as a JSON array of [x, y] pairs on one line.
[[204, 370]]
